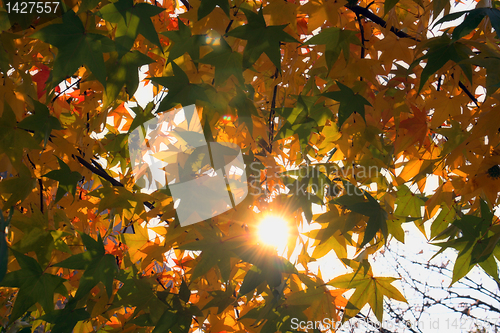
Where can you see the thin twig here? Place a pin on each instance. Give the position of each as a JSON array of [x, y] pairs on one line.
[[103, 174], [358, 10], [272, 113], [67, 88]]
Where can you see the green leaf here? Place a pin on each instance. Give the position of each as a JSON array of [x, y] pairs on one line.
[[388, 5], [245, 107], [98, 266], [4, 252], [336, 40], [141, 116], [76, 47], [440, 50], [13, 141], [124, 72], [252, 280], [131, 19], [41, 122], [184, 292], [369, 289], [442, 221], [34, 285], [180, 91], [350, 102], [261, 39], [88, 5], [463, 262], [207, 6], [19, 187], [221, 299], [64, 320], [472, 19], [377, 218], [226, 63], [67, 179], [139, 293], [184, 42]]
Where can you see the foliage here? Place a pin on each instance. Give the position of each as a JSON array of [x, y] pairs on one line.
[[332, 102]]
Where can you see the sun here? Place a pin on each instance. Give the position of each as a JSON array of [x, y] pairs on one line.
[[273, 231]]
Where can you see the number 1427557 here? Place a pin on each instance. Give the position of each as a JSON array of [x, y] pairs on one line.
[[28, 7]]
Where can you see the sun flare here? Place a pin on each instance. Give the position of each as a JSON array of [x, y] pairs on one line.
[[273, 231]]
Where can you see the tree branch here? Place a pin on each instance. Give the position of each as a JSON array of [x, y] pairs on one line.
[[272, 113], [98, 170], [358, 10], [374, 18]]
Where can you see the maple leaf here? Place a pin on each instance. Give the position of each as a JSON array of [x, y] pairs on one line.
[[131, 19], [261, 39], [13, 141], [4, 255], [440, 50], [475, 245], [226, 62], [18, 187], [336, 40], [141, 116], [40, 78], [67, 179], [41, 122], [34, 285], [139, 293], [472, 19], [184, 42], [154, 251], [64, 320], [245, 107], [350, 102], [76, 47], [180, 90], [124, 72], [206, 7], [368, 289], [377, 217], [135, 241], [98, 266]]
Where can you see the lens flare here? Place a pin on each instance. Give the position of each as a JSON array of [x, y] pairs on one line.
[[273, 231]]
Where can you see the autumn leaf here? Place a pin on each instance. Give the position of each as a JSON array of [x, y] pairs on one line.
[[76, 47], [261, 39], [184, 42], [124, 72], [368, 289], [180, 90], [350, 102], [98, 266], [18, 187], [41, 122], [206, 7], [131, 19], [336, 41], [226, 63], [67, 179], [34, 285]]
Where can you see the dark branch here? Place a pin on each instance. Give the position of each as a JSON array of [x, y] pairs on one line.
[[272, 113], [358, 10], [374, 18], [103, 174]]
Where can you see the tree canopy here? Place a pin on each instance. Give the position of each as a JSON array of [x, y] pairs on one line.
[[355, 116]]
